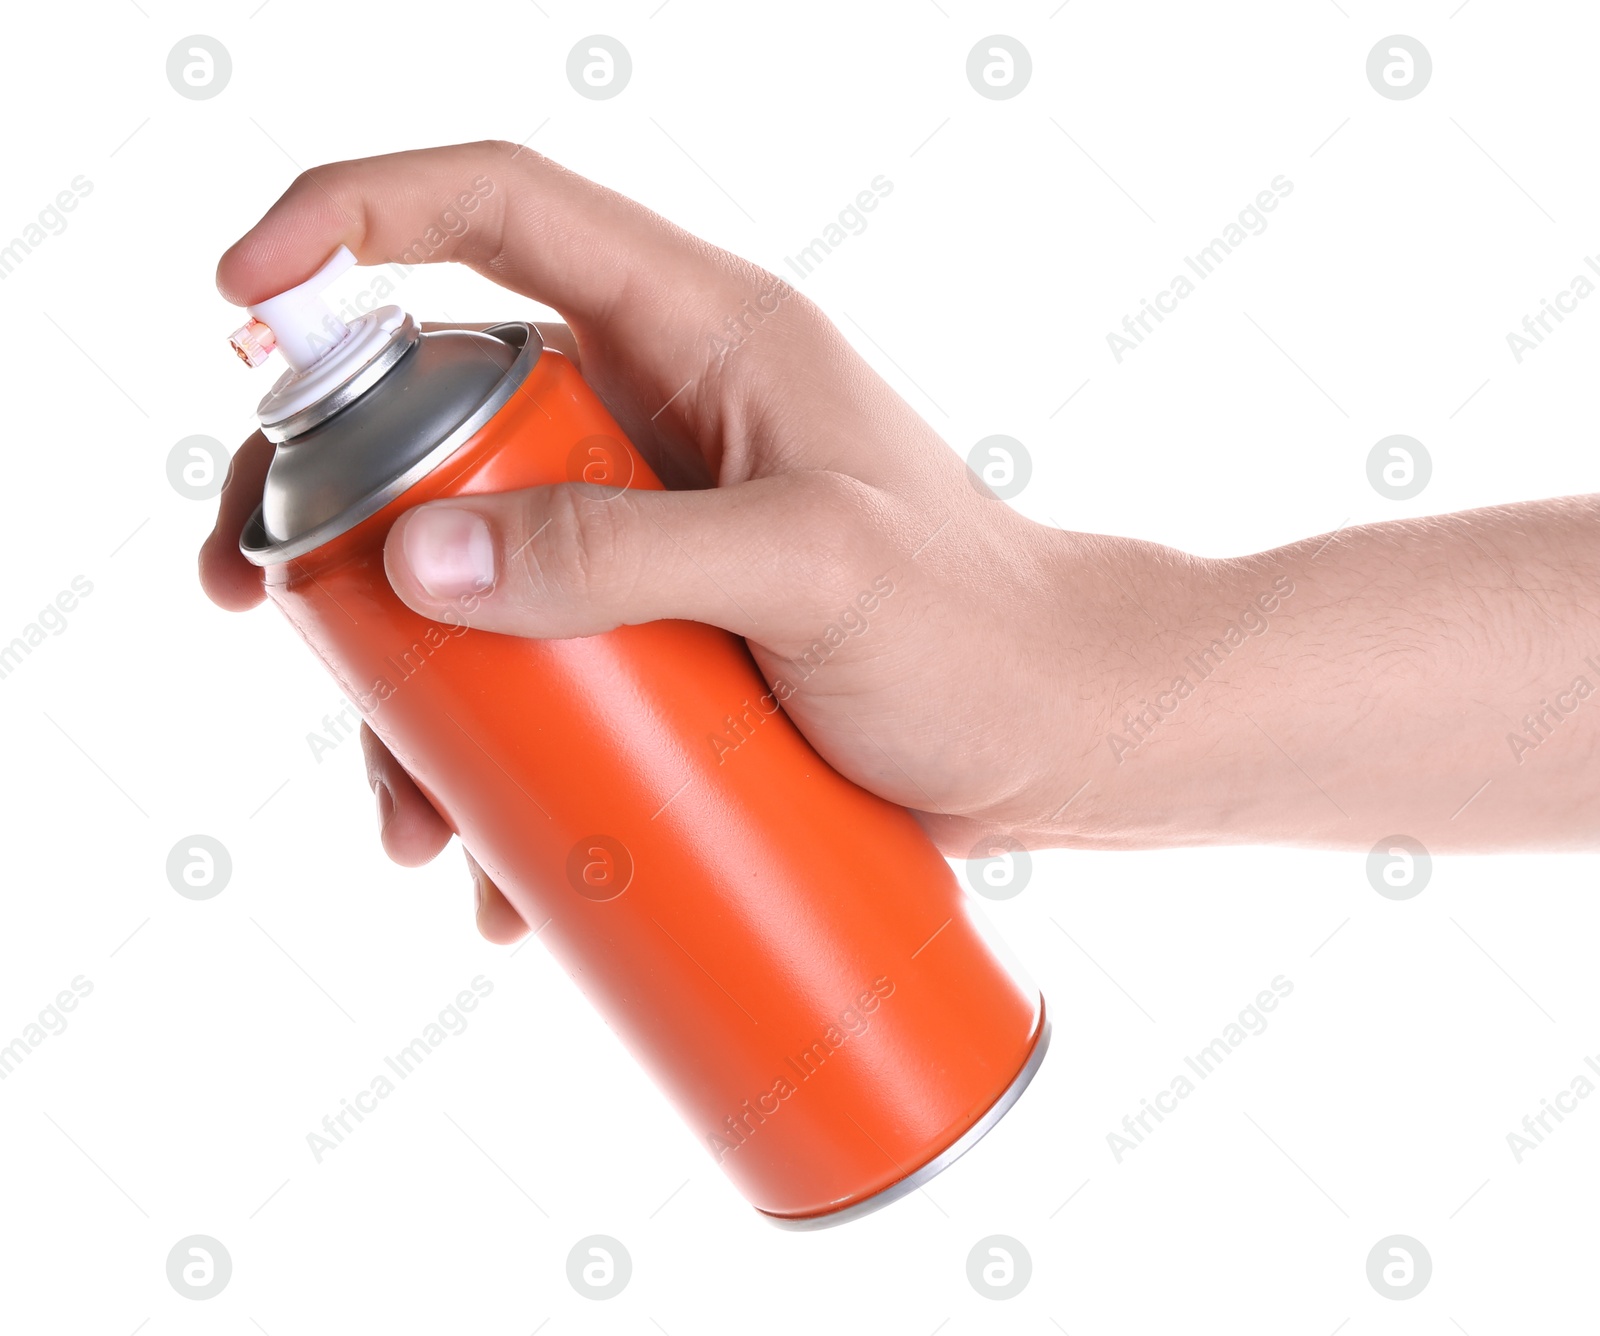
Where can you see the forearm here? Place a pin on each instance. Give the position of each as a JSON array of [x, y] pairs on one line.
[[1437, 678]]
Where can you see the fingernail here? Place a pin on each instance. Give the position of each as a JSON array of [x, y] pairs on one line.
[[450, 551], [478, 880], [385, 804]]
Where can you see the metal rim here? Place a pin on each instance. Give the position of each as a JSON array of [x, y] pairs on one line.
[[253, 543], [940, 1162]]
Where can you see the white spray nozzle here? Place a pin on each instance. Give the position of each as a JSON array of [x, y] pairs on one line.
[[326, 357], [299, 323]]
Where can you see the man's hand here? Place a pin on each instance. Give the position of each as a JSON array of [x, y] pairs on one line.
[[1009, 678], [961, 694]]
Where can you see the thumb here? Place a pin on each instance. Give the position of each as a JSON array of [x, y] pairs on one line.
[[770, 559]]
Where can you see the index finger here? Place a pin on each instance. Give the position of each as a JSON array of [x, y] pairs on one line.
[[507, 212]]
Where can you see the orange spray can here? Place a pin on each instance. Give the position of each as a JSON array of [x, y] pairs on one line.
[[787, 954]]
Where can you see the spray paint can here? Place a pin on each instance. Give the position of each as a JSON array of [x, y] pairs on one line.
[[787, 954]]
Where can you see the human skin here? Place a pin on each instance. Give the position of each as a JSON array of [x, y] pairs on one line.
[[1020, 680]]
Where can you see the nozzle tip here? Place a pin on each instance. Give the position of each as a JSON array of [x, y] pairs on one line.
[[253, 342]]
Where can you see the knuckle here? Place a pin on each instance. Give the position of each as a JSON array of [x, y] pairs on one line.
[[842, 537], [800, 310], [568, 546], [757, 298], [517, 157], [313, 181]]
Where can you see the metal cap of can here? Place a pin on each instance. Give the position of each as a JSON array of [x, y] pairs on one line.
[[373, 435]]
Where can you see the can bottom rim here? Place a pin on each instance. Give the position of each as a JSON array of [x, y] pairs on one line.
[[940, 1162]]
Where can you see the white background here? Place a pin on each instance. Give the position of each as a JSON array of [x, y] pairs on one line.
[[219, 1033]]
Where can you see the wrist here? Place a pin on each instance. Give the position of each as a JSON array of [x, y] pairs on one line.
[[1157, 648]]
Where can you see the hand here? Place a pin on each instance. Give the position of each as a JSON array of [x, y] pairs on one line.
[[956, 695], [1008, 678]]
